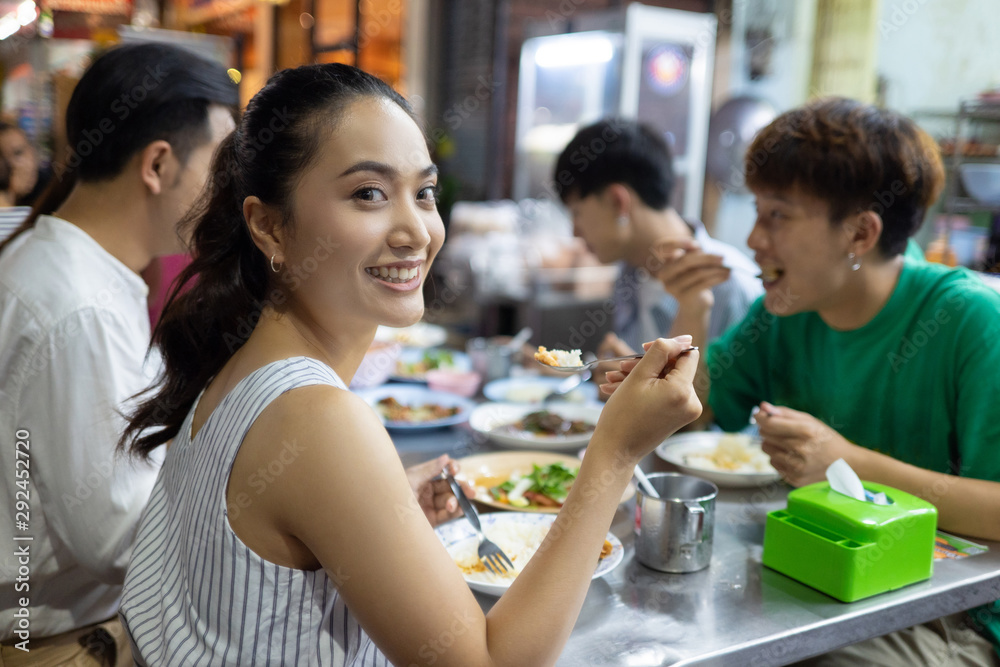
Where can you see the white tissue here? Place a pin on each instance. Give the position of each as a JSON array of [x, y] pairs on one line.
[[844, 480]]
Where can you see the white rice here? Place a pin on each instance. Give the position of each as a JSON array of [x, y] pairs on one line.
[[735, 452], [567, 357], [518, 541]]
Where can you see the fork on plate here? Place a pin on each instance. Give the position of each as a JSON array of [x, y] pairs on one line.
[[492, 556]]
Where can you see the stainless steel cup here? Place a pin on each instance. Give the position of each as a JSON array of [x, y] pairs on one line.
[[674, 533]]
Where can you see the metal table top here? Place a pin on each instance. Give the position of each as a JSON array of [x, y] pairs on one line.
[[736, 611]]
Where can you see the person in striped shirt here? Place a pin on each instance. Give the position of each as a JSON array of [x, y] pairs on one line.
[[11, 216], [283, 529]]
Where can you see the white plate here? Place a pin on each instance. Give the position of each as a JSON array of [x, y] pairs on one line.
[[460, 540], [409, 394], [420, 334], [489, 417], [532, 389], [678, 448], [410, 355], [497, 467]]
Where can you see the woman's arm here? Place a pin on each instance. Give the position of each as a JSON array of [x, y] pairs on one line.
[[345, 498]]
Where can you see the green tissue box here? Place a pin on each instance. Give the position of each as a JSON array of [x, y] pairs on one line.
[[848, 548]]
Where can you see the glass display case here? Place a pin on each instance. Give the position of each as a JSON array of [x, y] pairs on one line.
[[647, 63]]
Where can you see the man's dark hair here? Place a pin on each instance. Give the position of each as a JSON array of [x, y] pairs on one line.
[[617, 151], [856, 157], [136, 94], [131, 96]]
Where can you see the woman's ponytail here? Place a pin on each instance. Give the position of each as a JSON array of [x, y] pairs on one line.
[[212, 307]]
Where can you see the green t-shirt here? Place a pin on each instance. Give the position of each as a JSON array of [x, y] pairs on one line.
[[913, 250], [920, 382]]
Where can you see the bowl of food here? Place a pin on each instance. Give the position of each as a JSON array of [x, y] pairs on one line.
[[379, 363], [982, 181], [463, 383]]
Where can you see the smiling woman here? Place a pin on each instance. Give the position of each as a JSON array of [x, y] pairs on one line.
[[263, 537]]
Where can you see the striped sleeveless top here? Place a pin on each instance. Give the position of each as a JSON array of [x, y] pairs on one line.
[[195, 594]]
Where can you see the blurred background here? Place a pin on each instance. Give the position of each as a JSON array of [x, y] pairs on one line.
[[501, 85]]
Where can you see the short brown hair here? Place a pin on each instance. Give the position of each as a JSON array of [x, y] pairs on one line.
[[856, 157]]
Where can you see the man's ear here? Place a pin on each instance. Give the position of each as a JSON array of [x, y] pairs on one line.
[[265, 228], [863, 231], [158, 166], [620, 198]]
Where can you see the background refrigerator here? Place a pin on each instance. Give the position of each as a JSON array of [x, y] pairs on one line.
[[646, 63]]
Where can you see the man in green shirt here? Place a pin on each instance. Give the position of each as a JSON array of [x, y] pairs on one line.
[[854, 352]]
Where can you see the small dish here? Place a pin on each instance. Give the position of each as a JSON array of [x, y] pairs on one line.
[[417, 395], [463, 383], [490, 419], [414, 363], [533, 388]]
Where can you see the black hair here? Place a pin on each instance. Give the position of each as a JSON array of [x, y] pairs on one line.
[[855, 157], [616, 151], [131, 96], [217, 300]]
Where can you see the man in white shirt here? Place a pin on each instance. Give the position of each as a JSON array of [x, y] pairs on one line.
[[143, 124]]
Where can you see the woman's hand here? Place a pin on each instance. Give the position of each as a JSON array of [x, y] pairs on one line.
[[689, 274], [611, 346], [434, 494], [801, 446], [651, 397]]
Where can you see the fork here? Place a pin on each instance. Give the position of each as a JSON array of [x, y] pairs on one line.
[[591, 364], [490, 554]]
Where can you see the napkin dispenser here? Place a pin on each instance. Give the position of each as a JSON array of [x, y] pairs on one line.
[[851, 549]]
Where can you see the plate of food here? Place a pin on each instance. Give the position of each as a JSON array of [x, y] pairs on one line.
[[404, 406], [533, 388], [419, 335], [557, 426], [524, 481], [519, 534], [413, 363], [728, 459]]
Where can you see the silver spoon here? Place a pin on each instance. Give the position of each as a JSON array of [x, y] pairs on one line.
[[591, 364]]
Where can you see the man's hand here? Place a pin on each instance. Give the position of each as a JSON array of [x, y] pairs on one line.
[[801, 446], [434, 494], [688, 273]]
